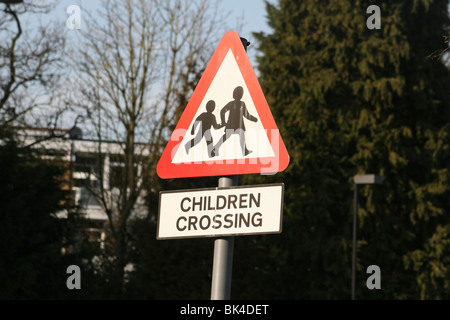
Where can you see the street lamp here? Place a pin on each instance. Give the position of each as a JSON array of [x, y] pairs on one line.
[[359, 179]]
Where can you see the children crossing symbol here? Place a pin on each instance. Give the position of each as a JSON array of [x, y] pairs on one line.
[[227, 127]]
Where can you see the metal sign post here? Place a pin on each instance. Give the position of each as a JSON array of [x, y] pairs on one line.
[[223, 247], [223, 256]]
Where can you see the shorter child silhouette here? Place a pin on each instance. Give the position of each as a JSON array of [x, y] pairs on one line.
[[206, 120]]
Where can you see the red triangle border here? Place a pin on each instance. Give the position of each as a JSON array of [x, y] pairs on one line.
[[266, 165]]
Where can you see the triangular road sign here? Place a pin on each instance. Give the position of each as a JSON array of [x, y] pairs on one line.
[[227, 127]]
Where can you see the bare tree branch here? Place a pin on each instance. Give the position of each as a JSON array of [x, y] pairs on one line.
[[28, 62], [138, 59]]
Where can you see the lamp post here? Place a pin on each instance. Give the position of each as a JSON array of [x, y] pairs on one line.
[[359, 179]]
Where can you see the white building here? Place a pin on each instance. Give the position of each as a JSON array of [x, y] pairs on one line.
[[92, 166]]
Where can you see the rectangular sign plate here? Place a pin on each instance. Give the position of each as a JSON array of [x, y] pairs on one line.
[[212, 212]]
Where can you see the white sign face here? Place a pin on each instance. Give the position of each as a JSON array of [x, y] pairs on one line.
[[241, 210], [227, 87]]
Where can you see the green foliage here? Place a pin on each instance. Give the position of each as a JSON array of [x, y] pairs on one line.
[[431, 265], [31, 265], [169, 269], [351, 100]]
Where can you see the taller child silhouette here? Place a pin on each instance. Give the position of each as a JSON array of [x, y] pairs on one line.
[[235, 123]]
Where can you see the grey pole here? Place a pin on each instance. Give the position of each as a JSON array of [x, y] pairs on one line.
[[359, 179], [223, 257], [355, 222]]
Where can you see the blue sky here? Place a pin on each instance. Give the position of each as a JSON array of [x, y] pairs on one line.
[[252, 13], [252, 10]]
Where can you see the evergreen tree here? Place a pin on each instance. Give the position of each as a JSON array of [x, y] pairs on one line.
[[350, 100], [31, 264]]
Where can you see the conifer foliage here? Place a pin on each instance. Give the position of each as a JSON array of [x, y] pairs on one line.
[[352, 100]]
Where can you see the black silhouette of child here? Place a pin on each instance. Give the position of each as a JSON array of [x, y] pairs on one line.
[[235, 124], [206, 120]]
